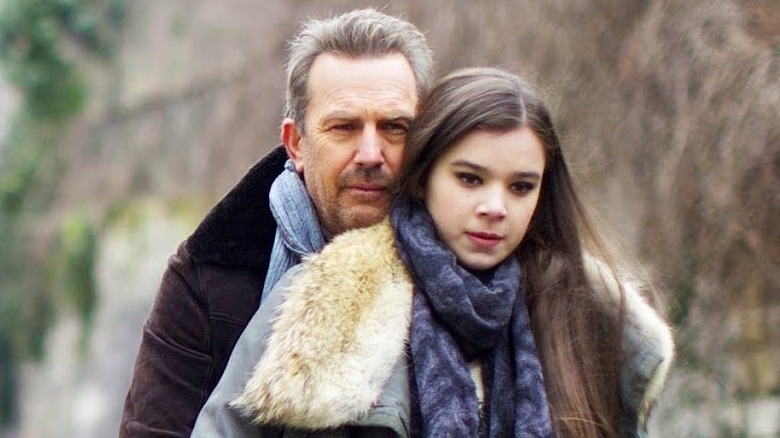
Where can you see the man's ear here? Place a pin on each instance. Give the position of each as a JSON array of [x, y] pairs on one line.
[[291, 139]]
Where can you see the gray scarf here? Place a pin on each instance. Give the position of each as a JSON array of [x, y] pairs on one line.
[[457, 317], [297, 227]]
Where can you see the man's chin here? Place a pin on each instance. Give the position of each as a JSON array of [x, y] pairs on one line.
[[361, 217]]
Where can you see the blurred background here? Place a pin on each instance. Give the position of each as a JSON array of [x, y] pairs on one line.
[[122, 122]]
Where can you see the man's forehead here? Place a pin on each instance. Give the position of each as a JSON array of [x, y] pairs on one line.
[[332, 71], [349, 88], [355, 113]]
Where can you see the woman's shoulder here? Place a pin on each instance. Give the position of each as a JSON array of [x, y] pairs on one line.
[[648, 343], [339, 329], [648, 348]]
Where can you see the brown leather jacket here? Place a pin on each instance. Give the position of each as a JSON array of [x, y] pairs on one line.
[[208, 294]]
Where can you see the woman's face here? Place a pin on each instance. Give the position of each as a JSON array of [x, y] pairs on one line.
[[483, 192]]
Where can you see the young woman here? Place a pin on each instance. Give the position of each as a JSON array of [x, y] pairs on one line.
[[484, 305]]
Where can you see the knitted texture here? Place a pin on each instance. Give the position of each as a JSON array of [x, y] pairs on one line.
[[458, 317], [297, 227]]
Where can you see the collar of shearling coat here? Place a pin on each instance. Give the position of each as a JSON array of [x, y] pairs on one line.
[[339, 331], [239, 230]]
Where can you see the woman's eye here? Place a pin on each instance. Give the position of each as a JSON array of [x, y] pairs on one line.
[[468, 179], [522, 187]]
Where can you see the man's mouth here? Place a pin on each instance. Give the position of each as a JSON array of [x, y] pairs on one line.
[[367, 192], [368, 187]]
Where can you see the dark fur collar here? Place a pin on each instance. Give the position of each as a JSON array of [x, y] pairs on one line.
[[239, 230]]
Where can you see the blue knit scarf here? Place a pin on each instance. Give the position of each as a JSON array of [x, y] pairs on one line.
[[456, 318], [297, 227]]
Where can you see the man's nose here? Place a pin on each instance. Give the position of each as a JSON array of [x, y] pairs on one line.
[[493, 205], [369, 152]]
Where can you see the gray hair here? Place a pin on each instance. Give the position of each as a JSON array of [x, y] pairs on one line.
[[361, 33]]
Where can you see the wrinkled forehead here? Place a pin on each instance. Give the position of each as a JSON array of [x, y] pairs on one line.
[[385, 83]]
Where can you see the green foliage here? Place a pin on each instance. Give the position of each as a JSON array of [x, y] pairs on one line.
[[26, 307], [71, 275], [7, 381], [33, 35], [28, 166], [40, 43]]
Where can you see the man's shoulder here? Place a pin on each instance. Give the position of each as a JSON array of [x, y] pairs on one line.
[[239, 230]]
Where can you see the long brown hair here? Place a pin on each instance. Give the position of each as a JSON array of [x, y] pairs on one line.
[[578, 335]]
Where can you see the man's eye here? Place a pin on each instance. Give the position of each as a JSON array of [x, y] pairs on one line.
[[395, 128], [468, 179], [344, 127]]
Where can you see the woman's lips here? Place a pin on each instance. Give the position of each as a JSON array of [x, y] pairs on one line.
[[484, 240]]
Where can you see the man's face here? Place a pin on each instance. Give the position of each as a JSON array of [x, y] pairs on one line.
[[356, 123]]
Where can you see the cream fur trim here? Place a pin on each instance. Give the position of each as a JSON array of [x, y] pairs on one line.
[[647, 322], [335, 338]]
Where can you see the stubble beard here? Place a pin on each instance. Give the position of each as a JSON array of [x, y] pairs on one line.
[[346, 218]]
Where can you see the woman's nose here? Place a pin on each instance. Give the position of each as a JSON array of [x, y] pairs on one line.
[[493, 205]]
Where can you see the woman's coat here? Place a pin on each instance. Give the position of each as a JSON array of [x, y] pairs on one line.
[[327, 350]]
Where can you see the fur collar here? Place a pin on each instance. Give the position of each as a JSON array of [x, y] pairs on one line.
[[239, 230], [336, 337]]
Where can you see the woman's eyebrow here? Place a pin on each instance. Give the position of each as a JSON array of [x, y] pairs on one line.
[[465, 163], [479, 168]]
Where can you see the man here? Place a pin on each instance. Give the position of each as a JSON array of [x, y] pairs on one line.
[[353, 82]]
